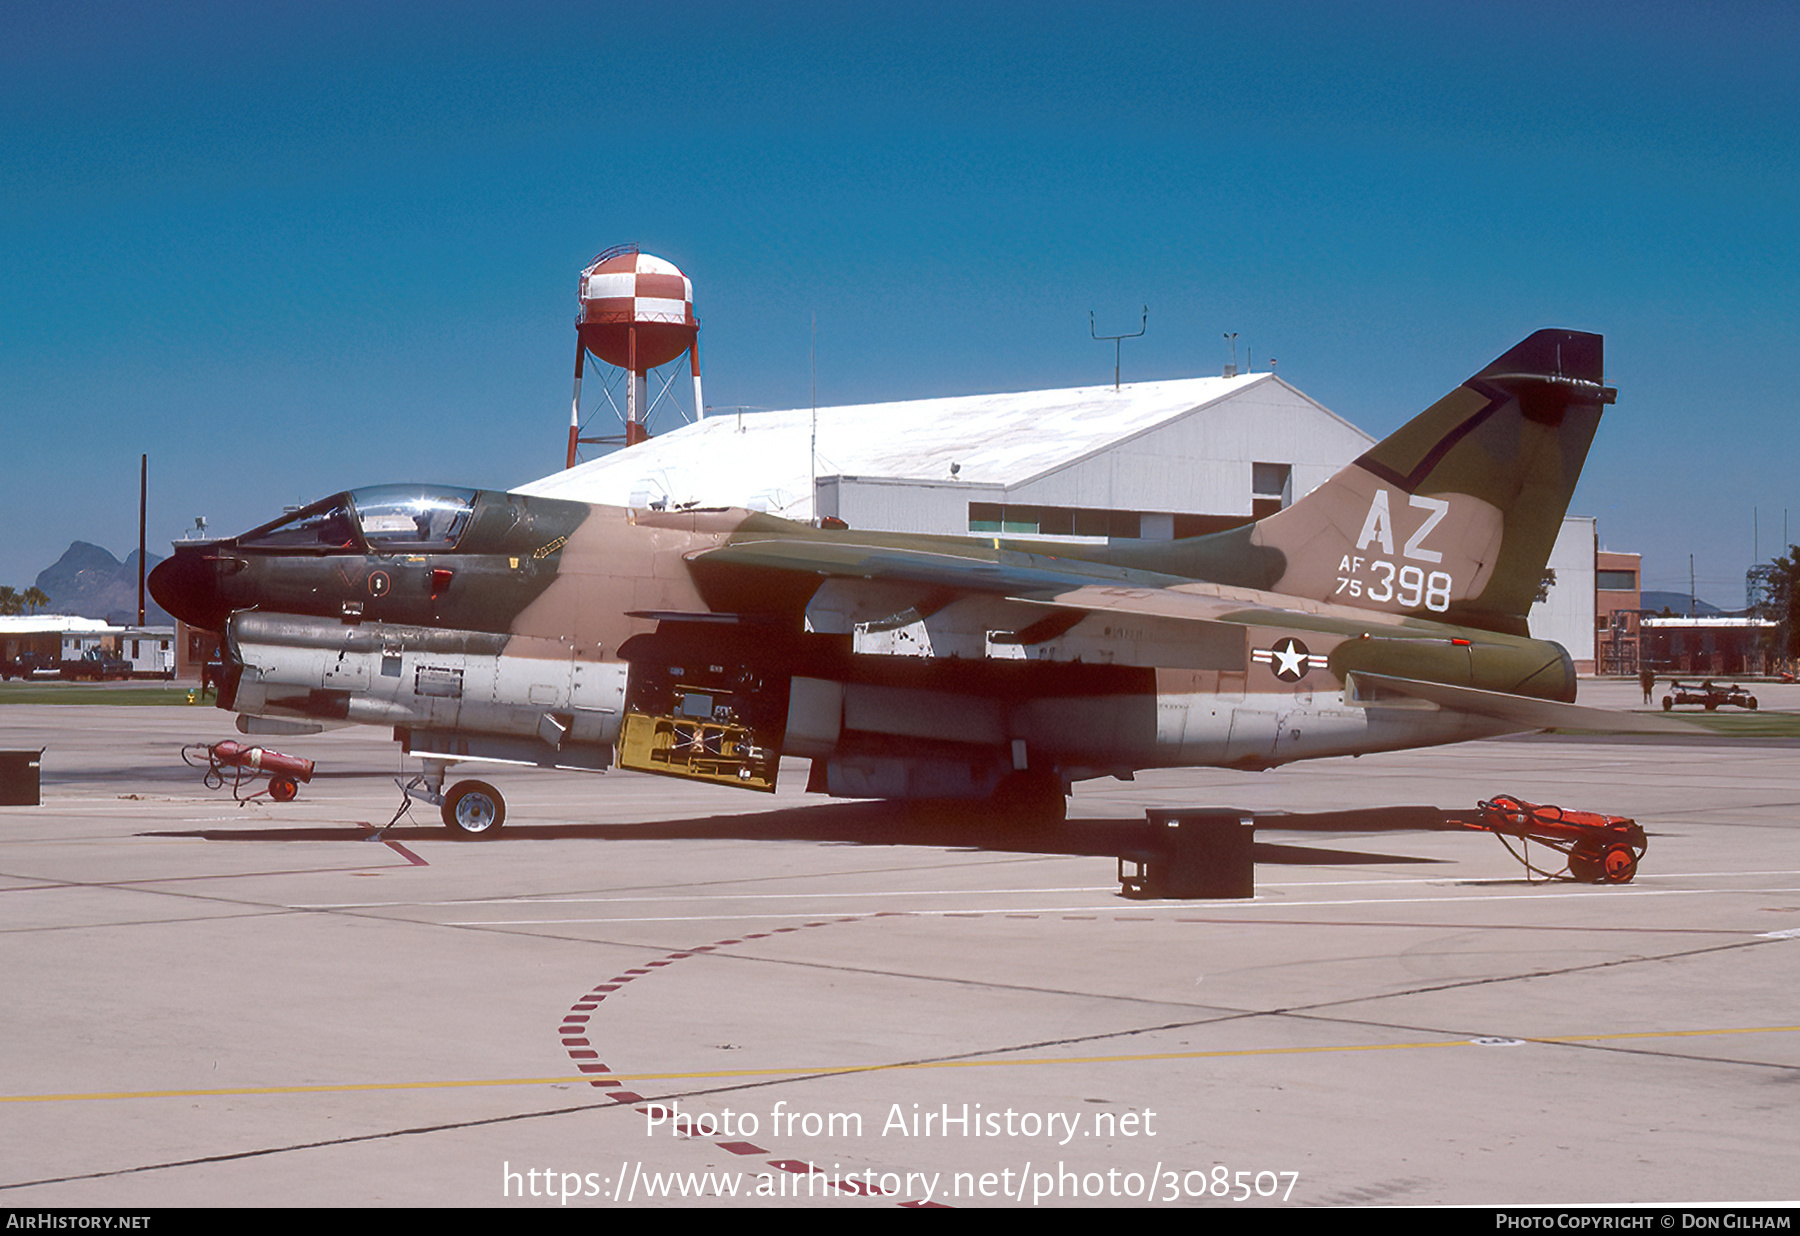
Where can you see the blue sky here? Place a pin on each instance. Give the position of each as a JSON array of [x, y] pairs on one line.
[[291, 249]]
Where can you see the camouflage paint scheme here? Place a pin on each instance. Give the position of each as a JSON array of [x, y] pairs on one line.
[[1384, 610]]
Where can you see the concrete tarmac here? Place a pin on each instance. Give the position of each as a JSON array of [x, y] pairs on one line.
[[266, 1004]]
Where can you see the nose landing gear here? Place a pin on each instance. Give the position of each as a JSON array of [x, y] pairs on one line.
[[474, 809], [471, 809]]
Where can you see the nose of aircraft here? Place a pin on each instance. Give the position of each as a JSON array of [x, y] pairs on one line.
[[187, 585]]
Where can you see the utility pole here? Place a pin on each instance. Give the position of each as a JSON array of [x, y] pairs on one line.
[[143, 489]]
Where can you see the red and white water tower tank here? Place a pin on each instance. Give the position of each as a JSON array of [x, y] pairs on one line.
[[637, 314]]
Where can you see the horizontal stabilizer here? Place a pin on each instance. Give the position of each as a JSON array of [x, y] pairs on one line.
[[1374, 690], [248, 724]]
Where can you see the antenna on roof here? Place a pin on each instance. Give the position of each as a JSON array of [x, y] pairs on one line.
[[1142, 326], [1231, 369]]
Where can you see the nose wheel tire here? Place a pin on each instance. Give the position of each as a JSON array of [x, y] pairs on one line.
[[474, 809]]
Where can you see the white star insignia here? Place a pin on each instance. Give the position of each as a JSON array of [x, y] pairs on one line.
[[1288, 659], [1291, 658]]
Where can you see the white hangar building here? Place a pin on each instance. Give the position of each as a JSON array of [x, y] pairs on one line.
[[1157, 460]]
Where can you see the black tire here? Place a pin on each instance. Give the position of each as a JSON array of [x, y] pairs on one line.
[[474, 809], [1586, 864], [283, 789], [1752, 704], [1668, 702]]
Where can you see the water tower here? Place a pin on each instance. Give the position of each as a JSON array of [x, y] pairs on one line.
[[637, 314]]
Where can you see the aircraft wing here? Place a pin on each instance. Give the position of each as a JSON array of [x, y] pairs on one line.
[[1071, 588], [1000, 572], [1068, 584]]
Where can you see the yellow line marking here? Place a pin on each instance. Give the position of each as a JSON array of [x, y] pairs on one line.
[[835, 1069]]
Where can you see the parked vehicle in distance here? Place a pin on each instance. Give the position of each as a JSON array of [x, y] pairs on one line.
[[1708, 694], [29, 665], [97, 665]]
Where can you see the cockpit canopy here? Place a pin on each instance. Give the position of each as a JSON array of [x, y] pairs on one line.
[[380, 518]]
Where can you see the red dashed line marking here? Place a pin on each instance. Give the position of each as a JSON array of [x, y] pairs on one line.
[[587, 1061], [407, 854]]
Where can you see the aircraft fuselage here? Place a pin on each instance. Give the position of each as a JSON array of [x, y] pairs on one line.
[[545, 624]]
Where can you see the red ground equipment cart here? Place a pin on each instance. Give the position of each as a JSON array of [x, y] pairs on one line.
[[241, 764], [1599, 849]]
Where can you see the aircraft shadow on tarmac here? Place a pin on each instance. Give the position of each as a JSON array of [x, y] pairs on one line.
[[877, 823]]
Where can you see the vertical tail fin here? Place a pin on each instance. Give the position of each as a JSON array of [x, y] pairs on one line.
[[1453, 515], [1450, 517]]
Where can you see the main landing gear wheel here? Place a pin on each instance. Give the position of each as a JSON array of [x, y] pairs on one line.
[[474, 809]]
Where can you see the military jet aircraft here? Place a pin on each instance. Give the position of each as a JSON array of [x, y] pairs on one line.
[[1384, 610]]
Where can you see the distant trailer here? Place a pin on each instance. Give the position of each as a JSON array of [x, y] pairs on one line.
[[151, 651]]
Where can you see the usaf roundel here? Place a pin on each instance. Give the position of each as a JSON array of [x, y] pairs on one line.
[[1288, 658]]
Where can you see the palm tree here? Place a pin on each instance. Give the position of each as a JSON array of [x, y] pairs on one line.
[[10, 600], [34, 597]]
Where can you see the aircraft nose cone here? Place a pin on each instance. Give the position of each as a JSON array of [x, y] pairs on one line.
[[187, 585]]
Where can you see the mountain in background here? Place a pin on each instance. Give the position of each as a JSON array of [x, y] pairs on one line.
[[1676, 603], [90, 582]]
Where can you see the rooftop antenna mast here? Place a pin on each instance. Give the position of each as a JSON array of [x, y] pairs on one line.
[[1142, 326]]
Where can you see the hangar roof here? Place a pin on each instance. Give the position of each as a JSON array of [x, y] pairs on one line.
[[1004, 440], [54, 624]]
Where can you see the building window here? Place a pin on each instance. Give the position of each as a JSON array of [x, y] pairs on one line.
[[1271, 487], [1018, 519], [1615, 581], [998, 519]]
